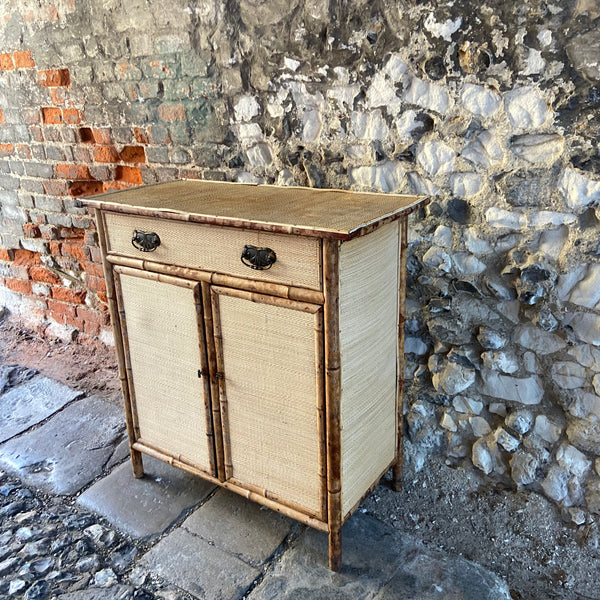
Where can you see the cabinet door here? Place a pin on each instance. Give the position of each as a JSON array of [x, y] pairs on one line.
[[164, 332], [270, 387]]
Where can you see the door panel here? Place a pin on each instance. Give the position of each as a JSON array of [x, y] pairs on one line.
[[166, 351], [268, 353]]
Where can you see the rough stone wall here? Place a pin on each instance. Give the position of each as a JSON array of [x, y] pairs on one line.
[[491, 108]]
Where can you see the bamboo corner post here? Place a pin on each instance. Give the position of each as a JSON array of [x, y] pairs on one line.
[[281, 382]]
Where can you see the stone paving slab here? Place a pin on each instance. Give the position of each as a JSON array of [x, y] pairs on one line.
[[239, 526], [145, 507], [30, 403], [116, 592], [68, 451], [378, 562], [199, 568]]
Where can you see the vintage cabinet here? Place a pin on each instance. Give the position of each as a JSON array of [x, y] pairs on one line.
[[259, 332]]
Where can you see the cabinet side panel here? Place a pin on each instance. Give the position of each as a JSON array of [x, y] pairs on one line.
[[368, 348], [162, 332], [271, 384]]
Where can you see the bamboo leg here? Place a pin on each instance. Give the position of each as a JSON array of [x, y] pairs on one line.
[[333, 400], [397, 470], [136, 455]]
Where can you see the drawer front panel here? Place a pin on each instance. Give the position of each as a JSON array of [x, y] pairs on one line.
[[219, 249]]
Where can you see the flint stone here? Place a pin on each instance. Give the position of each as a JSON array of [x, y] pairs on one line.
[[448, 422], [583, 51], [438, 258], [466, 185], [578, 190], [463, 404], [415, 345], [454, 378], [586, 355], [592, 496], [482, 457], [474, 243], [584, 435], [586, 326], [547, 429], [442, 236], [520, 421], [30, 403], [480, 100], [527, 390], [505, 362], [435, 157], [568, 375], [536, 339], [507, 441], [485, 150], [574, 461], [538, 148], [587, 291], [526, 108], [427, 95], [544, 218], [500, 218], [385, 177], [498, 408], [466, 264], [567, 281], [555, 483], [246, 108], [69, 451], [490, 339], [479, 426], [369, 126]]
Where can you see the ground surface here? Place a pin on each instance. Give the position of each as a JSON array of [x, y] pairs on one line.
[[519, 537]]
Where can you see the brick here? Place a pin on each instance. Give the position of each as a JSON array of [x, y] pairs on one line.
[[23, 151], [101, 136], [159, 134], [39, 170], [49, 204], [81, 222], [25, 200], [93, 316], [141, 137], [171, 112], [6, 150], [31, 230], [35, 245], [92, 268], [43, 275], [53, 134], [96, 284], [58, 96], [133, 154], [36, 134], [69, 295], [96, 255], [106, 154], [23, 59], [129, 175], [6, 62], [72, 116], [76, 249], [52, 115], [56, 188], [39, 218], [7, 255], [81, 154], [60, 310], [55, 247], [85, 188], [31, 115], [115, 185], [60, 220], [55, 153], [1, 116], [72, 172], [49, 232], [54, 78], [17, 285]]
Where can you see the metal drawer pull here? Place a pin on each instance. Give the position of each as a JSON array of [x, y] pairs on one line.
[[258, 258], [145, 242]]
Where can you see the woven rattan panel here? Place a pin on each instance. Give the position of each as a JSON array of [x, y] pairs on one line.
[[271, 388], [368, 346], [165, 358], [309, 209], [219, 249]]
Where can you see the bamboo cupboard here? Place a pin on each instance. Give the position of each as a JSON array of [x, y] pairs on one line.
[[259, 332]]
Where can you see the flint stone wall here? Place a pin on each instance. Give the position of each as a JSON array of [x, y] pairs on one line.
[[492, 109]]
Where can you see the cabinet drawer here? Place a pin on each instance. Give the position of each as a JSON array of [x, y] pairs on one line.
[[218, 249]]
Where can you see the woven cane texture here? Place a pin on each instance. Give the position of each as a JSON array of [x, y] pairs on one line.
[[219, 249], [165, 357], [368, 351], [271, 389], [309, 209]]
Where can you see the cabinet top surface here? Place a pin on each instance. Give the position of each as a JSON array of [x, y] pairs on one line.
[[302, 211]]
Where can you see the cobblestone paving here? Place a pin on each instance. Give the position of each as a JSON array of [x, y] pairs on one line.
[[49, 548]]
